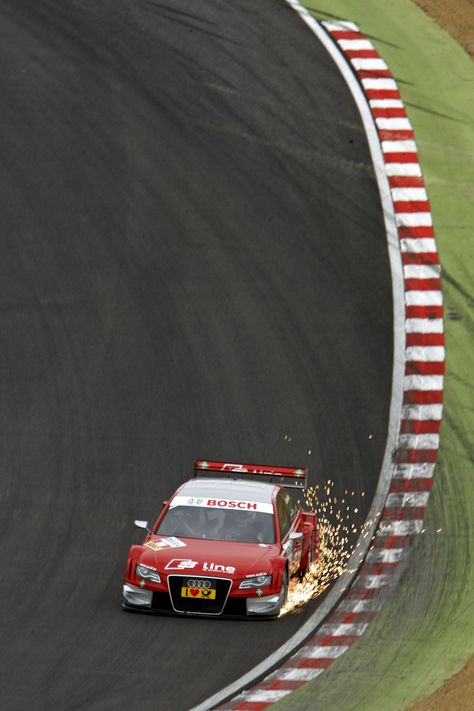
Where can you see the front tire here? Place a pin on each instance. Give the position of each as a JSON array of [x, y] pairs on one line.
[[283, 592], [309, 558]]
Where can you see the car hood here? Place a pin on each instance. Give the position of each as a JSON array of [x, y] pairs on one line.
[[204, 557]]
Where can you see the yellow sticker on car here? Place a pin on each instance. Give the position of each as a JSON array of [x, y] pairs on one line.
[[199, 593]]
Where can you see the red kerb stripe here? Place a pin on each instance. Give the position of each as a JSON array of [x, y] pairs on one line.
[[411, 206], [429, 312], [423, 232], [374, 73], [420, 427], [404, 513], [423, 397], [382, 93], [424, 368], [389, 113], [420, 257], [406, 181], [425, 339], [363, 53], [405, 486], [397, 157], [417, 456], [422, 284], [346, 34]]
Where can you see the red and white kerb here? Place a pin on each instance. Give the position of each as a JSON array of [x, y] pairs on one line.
[[418, 439]]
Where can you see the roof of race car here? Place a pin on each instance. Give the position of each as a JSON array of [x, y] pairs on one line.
[[230, 489]]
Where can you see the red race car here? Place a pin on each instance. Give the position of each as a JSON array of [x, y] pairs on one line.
[[226, 543]]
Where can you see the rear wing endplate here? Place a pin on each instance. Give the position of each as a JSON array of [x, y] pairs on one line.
[[290, 477]]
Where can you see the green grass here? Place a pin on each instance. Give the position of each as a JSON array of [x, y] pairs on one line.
[[425, 633]]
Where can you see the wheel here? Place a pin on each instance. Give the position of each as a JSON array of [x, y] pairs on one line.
[[283, 591]]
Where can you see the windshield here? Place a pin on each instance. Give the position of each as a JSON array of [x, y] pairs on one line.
[[218, 524]]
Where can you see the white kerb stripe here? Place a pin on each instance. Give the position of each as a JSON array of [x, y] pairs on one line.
[[350, 629], [422, 412], [403, 169], [418, 245], [366, 605], [325, 651], [265, 694], [386, 104], [338, 25], [355, 44], [422, 271], [413, 219], [374, 581], [384, 555], [400, 528], [410, 499], [297, 674], [399, 146], [368, 63], [428, 440], [424, 298], [384, 84], [423, 382], [424, 440], [425, 353], [393, 124], [414, 471], [424, 325], [408, 194]]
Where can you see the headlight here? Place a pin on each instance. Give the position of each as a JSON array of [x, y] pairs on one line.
[[143, 571], [257, 581]]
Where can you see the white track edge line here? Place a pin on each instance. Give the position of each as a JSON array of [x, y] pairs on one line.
[[338, 590]]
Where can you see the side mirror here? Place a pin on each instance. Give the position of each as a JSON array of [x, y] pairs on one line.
[[295, 536], [141, 524], [165, 502]]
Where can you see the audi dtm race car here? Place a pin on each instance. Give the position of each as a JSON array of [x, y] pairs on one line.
[[226, 543]]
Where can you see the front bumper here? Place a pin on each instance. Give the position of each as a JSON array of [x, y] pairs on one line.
[[148, 600], [268, 605], [137, 596]]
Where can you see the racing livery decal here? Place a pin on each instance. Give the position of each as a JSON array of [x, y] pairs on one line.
[[222, 503], [170, 542]]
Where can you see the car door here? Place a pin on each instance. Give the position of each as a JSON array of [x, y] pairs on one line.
[[291, 538]]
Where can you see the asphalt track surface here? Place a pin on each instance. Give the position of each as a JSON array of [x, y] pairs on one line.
[[193, 263]]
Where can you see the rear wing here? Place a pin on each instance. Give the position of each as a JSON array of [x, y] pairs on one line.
[[289, 477]]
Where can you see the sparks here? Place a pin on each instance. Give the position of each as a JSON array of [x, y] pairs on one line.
[[334, 548]]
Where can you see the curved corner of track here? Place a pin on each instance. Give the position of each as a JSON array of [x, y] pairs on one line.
[[416, 411], [176, 282]]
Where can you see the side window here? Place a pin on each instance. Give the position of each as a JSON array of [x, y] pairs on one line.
[[290, 505], [284, 512]]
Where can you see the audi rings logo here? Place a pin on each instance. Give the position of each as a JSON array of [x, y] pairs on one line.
[[206, 584]]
